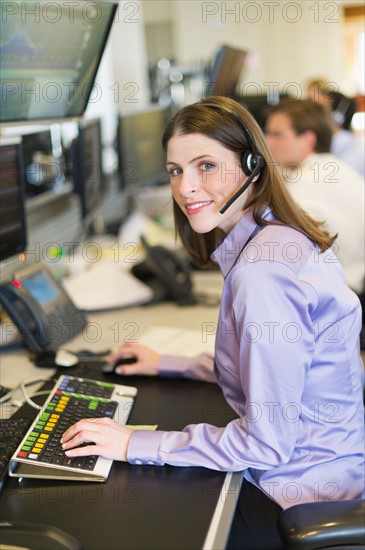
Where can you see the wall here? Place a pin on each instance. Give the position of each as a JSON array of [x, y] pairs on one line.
[[122, 79], [289, 41]]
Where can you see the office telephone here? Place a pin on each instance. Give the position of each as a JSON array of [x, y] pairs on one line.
[[39, 307], [168, 274]]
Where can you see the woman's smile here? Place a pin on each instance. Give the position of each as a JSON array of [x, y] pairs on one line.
[[196, 207]]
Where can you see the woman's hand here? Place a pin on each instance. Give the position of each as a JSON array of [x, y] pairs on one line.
[[147, 360], [106, 437]]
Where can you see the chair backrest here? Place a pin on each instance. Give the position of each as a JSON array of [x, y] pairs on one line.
[[319, 525]]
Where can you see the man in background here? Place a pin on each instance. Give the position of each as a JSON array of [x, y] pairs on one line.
[[299, 134]]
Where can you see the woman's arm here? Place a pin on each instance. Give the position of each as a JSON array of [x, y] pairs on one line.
[[249, 441], [265, 377], [150, 363]]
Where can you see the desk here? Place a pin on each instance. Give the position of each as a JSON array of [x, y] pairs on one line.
[[138, 507]]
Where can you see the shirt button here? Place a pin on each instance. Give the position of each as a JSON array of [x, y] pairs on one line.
[[151, 462], [137, 461]]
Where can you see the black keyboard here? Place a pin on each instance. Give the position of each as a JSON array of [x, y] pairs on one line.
[[43, 442], [39, 453], [11, 434]]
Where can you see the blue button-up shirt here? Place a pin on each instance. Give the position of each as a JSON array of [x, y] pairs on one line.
[[288, 361]]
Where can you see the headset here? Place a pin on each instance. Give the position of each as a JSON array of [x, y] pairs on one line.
[[339, 114], [252, 161]]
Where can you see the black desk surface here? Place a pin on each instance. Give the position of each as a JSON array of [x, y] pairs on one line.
[[138, 507]]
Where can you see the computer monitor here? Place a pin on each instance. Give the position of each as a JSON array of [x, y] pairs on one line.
[[38, 165], [87, 170], [49, 56], [260, 105], [13, 237], [142, 160], [225, 72]]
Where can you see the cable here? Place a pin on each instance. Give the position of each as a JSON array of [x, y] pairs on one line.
[[29, 382], [29, 399]]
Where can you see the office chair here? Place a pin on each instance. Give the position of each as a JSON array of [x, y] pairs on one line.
[[331, 525]]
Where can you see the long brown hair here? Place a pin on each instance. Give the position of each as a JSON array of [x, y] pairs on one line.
[[268, 190]]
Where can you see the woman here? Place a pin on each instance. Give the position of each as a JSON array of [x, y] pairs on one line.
[[287, 345]]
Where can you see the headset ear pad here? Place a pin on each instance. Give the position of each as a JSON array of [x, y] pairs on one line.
[[248, 162], [338, 118]]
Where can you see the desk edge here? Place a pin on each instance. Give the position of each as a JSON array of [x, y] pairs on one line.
[[222, 518]]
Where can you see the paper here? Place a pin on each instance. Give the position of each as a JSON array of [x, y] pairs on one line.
[[106, 285], [142, 426], [178, 341]]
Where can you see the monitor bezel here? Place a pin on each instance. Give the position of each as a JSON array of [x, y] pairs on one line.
[[11, 252], [78, 160]]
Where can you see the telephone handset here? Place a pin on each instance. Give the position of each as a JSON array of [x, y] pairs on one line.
[[39, 307], [168, 274]]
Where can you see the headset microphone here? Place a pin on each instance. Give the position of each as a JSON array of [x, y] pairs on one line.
[[259, 166]]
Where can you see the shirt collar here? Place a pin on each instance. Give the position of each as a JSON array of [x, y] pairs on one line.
[[228, 251], [309, 160]]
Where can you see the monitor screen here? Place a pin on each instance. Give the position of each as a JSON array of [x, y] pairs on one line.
[[12, 211], [259, 105], [87, 170], [50, 53], [38, 161], [225, 72], [142, 160], [41, 288]]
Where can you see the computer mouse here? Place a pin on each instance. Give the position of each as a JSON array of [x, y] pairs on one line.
[[122, 360], [65, 358]]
